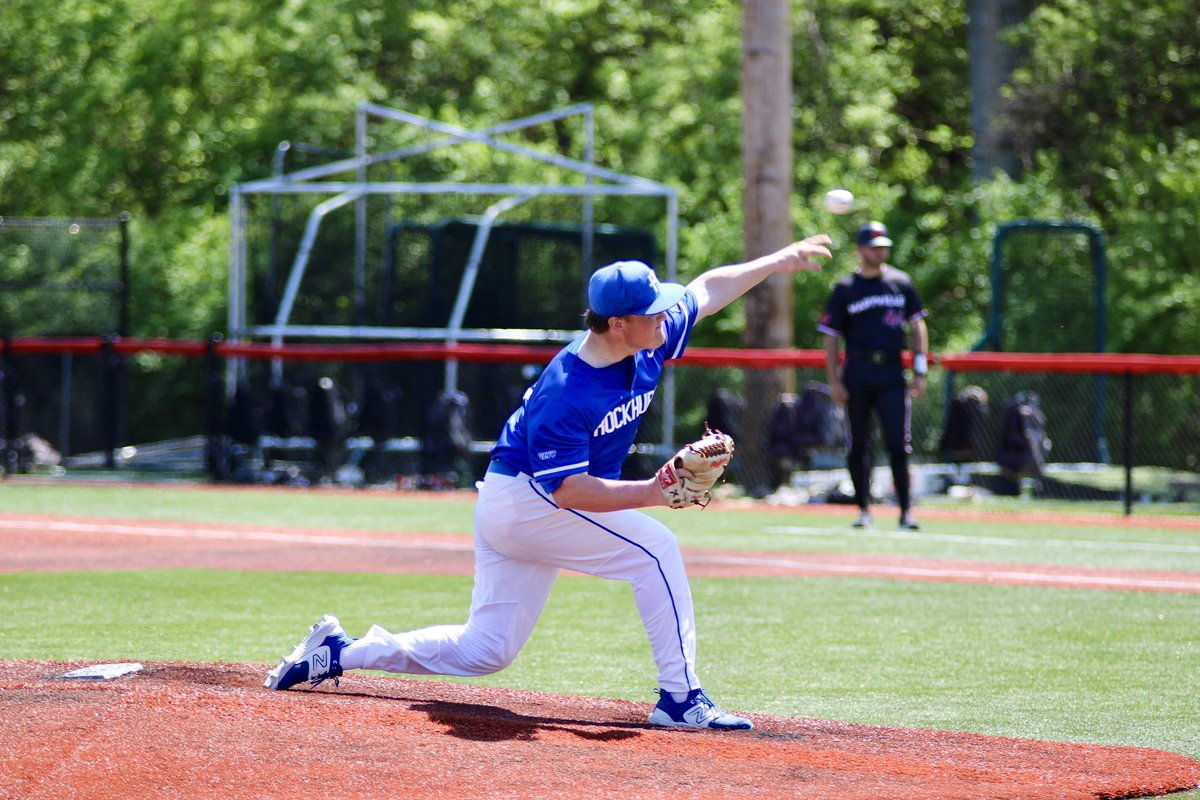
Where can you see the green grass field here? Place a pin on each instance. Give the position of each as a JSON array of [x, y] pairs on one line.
[[1111, 667]]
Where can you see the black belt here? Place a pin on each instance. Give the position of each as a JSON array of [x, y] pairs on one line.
[[500, 468], [873, 356]]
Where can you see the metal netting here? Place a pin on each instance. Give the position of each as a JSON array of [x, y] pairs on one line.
[[378, 418], [1048, 289], [533, 272], [533, 275], [63, 276]]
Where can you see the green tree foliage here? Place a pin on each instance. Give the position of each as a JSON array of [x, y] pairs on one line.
[[882, 110], [157, 107], [1104, 109]]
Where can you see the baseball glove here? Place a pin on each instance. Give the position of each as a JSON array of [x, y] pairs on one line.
[[687, 478]]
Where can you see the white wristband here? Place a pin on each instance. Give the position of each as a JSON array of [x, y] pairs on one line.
[[920, 364]]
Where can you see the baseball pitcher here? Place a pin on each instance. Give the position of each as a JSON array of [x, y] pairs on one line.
[[553, 497]]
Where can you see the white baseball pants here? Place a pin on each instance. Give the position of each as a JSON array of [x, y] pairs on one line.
[[522, 540]]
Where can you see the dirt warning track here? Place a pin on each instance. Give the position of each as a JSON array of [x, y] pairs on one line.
[[67, 543]]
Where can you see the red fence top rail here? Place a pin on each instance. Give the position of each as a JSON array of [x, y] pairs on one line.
[[751, 359], [1098, 363], [75, 345]]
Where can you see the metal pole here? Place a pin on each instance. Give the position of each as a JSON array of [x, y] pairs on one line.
[[8, 399], [360, 222], [1099, 269], [64, 406], [237, 281], [992, 336], [668, 389], [214, 402], [108, 365], [1128, 443], [466, 286], [589, 222], [123, 311], [271, 289]]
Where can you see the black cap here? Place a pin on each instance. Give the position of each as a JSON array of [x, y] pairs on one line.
[[873, 234]]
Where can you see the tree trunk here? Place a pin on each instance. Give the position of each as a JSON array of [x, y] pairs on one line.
[[991, 61], [766, 208]]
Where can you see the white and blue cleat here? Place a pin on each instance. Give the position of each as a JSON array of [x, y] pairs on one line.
[[697, 711], [318, 658]]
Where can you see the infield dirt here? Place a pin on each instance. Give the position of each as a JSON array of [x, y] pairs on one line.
[[178, 731]]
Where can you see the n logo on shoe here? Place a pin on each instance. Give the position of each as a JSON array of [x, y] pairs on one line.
[[320, 661]]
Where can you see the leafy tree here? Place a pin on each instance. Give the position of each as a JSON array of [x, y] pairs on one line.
[[1105, 111], [157, 108]]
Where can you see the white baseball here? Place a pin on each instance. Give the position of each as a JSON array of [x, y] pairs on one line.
[[839, 201]]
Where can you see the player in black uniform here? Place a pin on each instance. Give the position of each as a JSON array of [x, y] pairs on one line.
[[870, 309]]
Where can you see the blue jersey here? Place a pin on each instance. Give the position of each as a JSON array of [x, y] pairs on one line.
[[577, 418]]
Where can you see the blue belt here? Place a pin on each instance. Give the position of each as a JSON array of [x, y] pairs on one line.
[[500, 468]]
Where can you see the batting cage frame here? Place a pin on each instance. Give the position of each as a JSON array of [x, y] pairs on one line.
[[993, 336], [350, 182]]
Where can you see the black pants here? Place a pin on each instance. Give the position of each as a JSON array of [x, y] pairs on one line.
[[877, 391]]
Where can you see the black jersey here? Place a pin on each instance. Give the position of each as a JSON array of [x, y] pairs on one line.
[[870, 313]]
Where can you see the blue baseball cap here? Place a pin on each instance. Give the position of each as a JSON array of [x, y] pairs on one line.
[[630, 287], [873, 234]]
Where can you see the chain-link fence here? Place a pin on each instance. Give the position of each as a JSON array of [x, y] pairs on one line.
[[1114, 428], [1046, 434]]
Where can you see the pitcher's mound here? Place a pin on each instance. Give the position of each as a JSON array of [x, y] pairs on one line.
[[202, 730]]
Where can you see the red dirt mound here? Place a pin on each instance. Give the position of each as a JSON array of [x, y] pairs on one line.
[[188, 731]]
